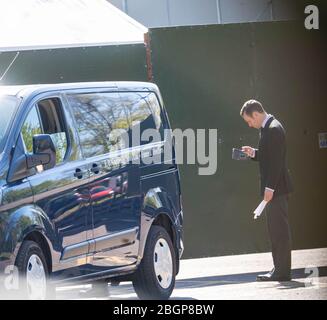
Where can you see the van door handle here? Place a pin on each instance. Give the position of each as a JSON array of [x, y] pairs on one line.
[[79, 173], [95, 168]]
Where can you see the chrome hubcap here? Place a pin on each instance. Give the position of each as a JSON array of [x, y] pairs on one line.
[[163, 263], [35, 278]]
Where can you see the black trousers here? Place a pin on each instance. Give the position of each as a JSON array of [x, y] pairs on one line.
[[280, 234]]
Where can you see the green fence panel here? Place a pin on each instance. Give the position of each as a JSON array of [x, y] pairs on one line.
[[114, 62], [205, 74]]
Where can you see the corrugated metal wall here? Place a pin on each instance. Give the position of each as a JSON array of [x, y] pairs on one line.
[[116, 62], [205, 74]]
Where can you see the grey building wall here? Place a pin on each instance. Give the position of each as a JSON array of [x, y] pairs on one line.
[[163, 13]]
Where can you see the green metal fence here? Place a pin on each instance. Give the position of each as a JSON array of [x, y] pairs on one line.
[[115, 62], [205, 74]]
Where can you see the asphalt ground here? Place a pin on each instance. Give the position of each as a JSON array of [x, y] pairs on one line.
[[231, 277]]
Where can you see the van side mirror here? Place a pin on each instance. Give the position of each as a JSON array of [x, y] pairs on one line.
[[22, 164], [44, 152]]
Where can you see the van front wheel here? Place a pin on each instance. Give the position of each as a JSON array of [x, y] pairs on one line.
[[155, 277], [33, 272]]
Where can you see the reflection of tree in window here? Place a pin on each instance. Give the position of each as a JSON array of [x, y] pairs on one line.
[[103, 117], [30, 128], [97, 115], [45, 118], [143, 111], [60, 142], [154, 106], [136, 106], [53, 124]]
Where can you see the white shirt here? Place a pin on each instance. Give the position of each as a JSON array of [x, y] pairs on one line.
[[268, 116]]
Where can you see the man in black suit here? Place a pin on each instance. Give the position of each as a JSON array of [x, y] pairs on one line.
[[275, 185]]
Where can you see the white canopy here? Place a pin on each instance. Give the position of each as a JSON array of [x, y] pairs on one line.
[[34, 24]]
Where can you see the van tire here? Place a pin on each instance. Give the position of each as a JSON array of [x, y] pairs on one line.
[[27, 250], [146, 282]]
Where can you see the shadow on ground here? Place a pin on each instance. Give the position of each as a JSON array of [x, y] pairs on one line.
[[247, 278], [201, 282]]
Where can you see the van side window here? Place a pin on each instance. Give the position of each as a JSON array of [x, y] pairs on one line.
[[101, 119], [46, 117], [31, 127], [143, 111], [154, 106]]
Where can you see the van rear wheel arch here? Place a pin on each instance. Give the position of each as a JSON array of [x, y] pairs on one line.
[[163, 220]]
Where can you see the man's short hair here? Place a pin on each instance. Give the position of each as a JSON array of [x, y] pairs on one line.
[[251, 106]]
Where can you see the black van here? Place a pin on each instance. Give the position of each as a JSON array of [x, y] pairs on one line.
[[74, 205]]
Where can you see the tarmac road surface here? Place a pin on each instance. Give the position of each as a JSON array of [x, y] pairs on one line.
[[233, 277]]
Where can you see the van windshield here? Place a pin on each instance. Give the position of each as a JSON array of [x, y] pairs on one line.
[[8, 105]]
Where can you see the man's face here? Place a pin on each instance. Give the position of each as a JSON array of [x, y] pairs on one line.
[[253, 121]]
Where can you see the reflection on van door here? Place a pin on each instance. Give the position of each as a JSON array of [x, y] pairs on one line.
[[116, 212], [61, 192], [114, 181]]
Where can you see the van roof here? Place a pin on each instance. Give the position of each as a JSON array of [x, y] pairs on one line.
[[24, 90]]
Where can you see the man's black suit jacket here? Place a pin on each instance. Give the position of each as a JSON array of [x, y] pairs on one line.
[[271, 154]]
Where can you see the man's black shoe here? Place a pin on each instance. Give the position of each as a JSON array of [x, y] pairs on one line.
[[273, 277]]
